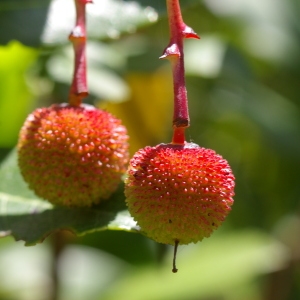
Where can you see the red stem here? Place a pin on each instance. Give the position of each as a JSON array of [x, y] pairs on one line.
[[174, 52], [79, 89]]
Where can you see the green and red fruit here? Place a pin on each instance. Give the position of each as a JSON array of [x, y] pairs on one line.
[[73, 156], [179, 194]]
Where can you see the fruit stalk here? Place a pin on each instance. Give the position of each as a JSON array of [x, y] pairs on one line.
[[174, 53], [79, 89], [175, 270]]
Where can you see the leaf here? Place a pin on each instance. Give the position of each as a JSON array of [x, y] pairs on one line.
[[30, 219], [33, 220], [151, 94], [216, 268], [15, 59]]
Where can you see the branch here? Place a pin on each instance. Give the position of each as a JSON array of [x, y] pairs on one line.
[[79, 89], [174, 53]]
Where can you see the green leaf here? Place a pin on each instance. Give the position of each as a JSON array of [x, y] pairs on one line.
[[15, 60], [216, 268], [30, 219]]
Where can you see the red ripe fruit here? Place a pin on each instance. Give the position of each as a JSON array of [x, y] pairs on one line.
[[73, 156], [179, 194]]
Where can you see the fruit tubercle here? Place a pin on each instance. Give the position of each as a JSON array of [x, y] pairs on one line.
[[79, 89], [179, 194], [73, 155], [175, 54]]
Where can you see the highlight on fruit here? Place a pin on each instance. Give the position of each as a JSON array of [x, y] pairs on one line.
[[73, 155]]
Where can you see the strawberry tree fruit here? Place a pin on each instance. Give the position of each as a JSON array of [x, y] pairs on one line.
[[72, 155], [179, 194]]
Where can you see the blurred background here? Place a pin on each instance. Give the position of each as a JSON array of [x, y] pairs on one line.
[[243, 82]]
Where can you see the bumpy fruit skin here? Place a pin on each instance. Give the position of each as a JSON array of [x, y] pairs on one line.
[[179, 193], [73, 156]]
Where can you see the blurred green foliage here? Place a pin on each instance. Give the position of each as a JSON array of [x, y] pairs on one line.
[[243, 86]]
